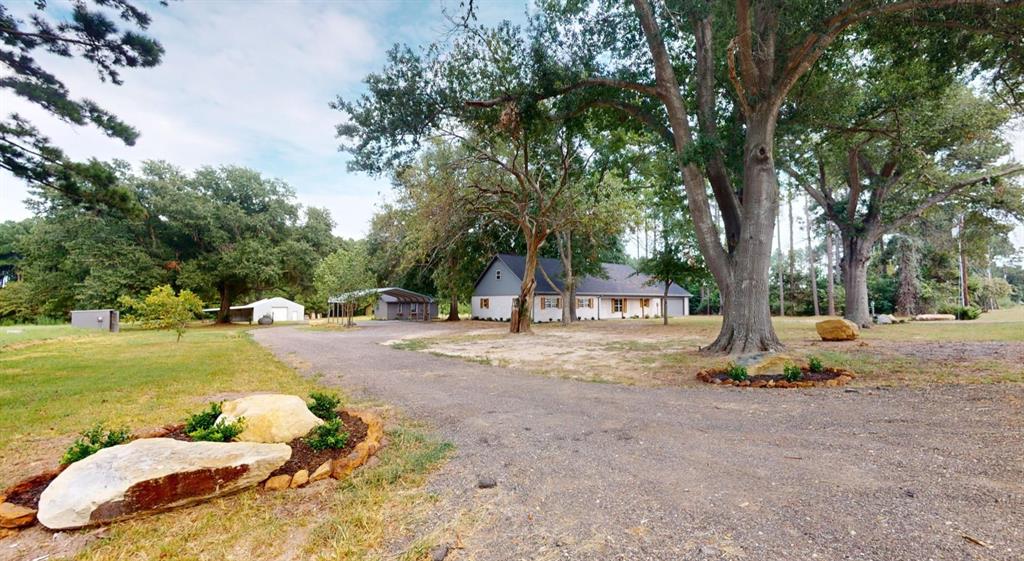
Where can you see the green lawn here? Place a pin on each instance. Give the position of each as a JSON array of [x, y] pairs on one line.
[[56, 381], [12, 334]]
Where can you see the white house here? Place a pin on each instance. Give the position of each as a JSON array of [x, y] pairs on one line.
[[625, 293], [281, 309]]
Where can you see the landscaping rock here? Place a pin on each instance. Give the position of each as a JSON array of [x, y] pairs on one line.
[[837, 330], [278, 482], [934, 317], [322, 472], [300, 478], [486, 482], [151, 475], [270, 417], [885, 319], [773, 364], [15, 516]]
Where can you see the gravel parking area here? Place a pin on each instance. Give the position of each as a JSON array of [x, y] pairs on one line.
[[605, 471]]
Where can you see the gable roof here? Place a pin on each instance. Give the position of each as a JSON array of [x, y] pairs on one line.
[[622, 279]]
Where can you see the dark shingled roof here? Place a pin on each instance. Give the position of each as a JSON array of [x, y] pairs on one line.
[[622, 279]]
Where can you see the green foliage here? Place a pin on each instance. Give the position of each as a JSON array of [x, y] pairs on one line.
[[86, 31], [325, 405], [204, 426], [815, 365], [792, 372], [203, 419], [17, 304], [219, 432], [328, 436], [962, 312], [93, 440], [737, 372], [162, 309]]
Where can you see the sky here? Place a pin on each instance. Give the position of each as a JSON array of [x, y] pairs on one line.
[[248, 83]]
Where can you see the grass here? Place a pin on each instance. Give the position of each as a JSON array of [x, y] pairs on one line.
[[15, 334], [59, 383]]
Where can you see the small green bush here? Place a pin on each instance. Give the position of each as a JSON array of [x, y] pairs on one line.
[[94, 440], [962, 312], [325, 405], [204, 426], [204, 419], [792, 372], [327, 436], [219, 432], [737, 372], [815, 365]]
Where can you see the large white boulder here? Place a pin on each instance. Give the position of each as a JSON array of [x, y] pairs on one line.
[[270, 417], [151, 475]]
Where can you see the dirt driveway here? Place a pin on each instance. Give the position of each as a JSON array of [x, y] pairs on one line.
[[604, 471]]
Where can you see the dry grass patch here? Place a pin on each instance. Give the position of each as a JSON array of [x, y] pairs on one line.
[[647, 353]]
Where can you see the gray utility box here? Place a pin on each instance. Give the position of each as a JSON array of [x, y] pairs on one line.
[[107, 320]]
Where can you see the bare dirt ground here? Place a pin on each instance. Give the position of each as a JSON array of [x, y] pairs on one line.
[[612, 471], [644, 352]]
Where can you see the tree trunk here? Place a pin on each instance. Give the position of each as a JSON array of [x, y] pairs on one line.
[[792, 243], [854, 265], [224, 313], [453, 307], [830, 270], [521, 322], [811, 261], [664, 304], [745, 284], [907, 286], [568, 278], [778, 263], [741, 269]]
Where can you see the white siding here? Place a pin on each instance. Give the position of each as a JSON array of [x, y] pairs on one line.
[[633, 308], [547, 314], [500, 308]]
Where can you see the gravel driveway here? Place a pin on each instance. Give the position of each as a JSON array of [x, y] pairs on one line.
[[600, 471]]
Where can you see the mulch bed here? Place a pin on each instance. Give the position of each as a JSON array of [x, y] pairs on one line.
[[304, 457], [27, 492], [827, 377]]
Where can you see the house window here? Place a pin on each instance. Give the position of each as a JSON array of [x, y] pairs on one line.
[[645, 302], [618, 305], [550, 302], [497, 274], [584, 302], [485, 303]]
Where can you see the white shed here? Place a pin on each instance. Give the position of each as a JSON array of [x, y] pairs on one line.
[[281, 309]]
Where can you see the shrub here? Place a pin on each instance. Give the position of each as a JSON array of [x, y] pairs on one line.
[[327, 436], [737, 372], [792, 372], [962, 312], [219, 432], [325, 405], [162, 309], [204, 419], [94, 440], [815, 365], [204, 426]]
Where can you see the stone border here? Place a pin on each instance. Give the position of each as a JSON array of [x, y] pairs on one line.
[[338, 468], [842, 377]]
